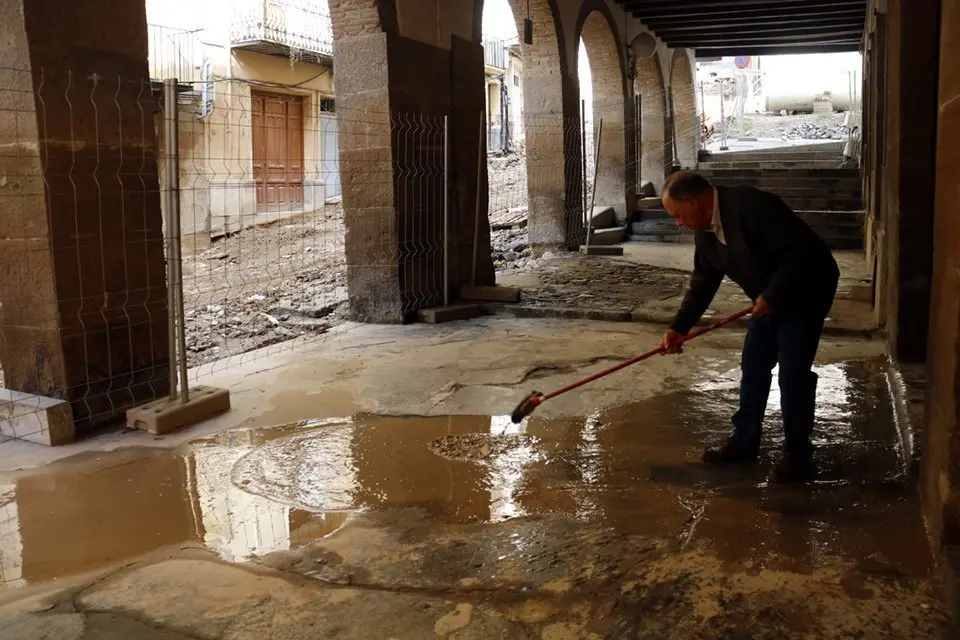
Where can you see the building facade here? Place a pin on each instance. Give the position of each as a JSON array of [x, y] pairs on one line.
[[503, 71], [258, 128]]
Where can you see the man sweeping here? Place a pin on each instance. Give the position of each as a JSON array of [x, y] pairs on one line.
[[755, 239]]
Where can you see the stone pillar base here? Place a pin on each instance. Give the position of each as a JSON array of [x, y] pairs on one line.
[[46, 421]]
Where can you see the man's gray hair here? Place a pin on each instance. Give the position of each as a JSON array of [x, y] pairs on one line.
[[685, 184]]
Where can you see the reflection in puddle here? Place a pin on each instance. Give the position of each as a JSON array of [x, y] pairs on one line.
[[250, 492]]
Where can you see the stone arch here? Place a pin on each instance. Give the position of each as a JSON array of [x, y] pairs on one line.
[[654, 137], [351, 18], [547, 134], [596, 28], [686, 123]]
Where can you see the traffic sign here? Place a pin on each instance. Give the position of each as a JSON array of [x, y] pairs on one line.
[[742, 62]]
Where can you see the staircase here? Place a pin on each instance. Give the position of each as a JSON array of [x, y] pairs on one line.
[[605, 229], [802, 188], [825, 195]]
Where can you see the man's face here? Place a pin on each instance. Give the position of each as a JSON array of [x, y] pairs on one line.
[[687, 212]]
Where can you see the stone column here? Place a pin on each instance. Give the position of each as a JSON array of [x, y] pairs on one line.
[[941, 464], [81, 248], [551, 116], [392, 95], [910, 174]]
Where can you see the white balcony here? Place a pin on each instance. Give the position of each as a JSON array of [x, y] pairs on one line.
[[295, 29], [174, 53], [494, 53]]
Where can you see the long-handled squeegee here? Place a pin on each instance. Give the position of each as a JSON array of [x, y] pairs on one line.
[[536, 398]]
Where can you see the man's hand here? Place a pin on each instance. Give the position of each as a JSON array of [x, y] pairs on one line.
[[762, 308], [670, 342]]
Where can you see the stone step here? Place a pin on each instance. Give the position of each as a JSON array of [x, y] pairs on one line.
[[841, 230], [793, 184], [784, 151], [775, 170], [824, 204], [603, 217], [609, 236], [685, 238], [766, 164], [665, 227], [649, 203]]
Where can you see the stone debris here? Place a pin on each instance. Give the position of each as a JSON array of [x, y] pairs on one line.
[[478, 446], [814, 131], [510, 248], [265, 285], [572, 280]]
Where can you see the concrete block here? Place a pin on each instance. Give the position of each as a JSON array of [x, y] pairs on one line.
[[603, 217], [613, 235], [165, 415], [462, 311], [649, 203], [862, 292], [594, 250], [491, 294], [46, 421]]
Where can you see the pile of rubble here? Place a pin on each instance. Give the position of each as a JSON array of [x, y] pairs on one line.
[[813, 131], [510, 248], [309, 303]]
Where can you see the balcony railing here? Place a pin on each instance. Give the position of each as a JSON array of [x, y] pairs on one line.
[[174, 53], [494, 53], [299, 29]]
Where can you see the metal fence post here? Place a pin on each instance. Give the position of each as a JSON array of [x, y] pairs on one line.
[[169, 126], [723, 120], [593, 195], [446, 211], [177, 330], [476, 213], [583, 158]]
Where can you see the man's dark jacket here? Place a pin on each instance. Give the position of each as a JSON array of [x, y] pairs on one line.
[[769, 252]]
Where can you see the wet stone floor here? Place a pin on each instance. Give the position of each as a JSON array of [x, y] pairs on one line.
[[605, 526]]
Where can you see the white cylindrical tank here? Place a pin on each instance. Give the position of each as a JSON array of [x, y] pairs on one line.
[[793, 83]]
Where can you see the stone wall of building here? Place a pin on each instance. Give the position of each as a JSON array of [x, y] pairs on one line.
[[941, 468]]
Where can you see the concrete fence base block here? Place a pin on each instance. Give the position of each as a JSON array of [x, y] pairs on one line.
[[166, 415], [463, 311], [46, 421]]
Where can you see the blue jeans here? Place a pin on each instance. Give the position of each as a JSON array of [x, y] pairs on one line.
[[792, 341]]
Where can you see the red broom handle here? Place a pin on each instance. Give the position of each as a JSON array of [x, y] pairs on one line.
[[623, 365]]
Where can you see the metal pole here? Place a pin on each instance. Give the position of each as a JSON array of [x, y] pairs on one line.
[[169, 140], [723, 122], [174, 184], [593, 196], [703, 108], [673, 126], [583, 158], [476, 215], [636, 151], [639, 117], [446, 211]]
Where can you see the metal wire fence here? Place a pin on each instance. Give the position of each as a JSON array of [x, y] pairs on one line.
[[148, 246], [84, 292], [155, 241]]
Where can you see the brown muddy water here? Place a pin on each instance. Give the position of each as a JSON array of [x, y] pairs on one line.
[[250, 492]]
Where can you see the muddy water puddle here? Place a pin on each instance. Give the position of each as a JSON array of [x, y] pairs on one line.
[[250, 492]]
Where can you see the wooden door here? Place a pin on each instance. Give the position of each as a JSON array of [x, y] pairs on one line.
[[278, 151]]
